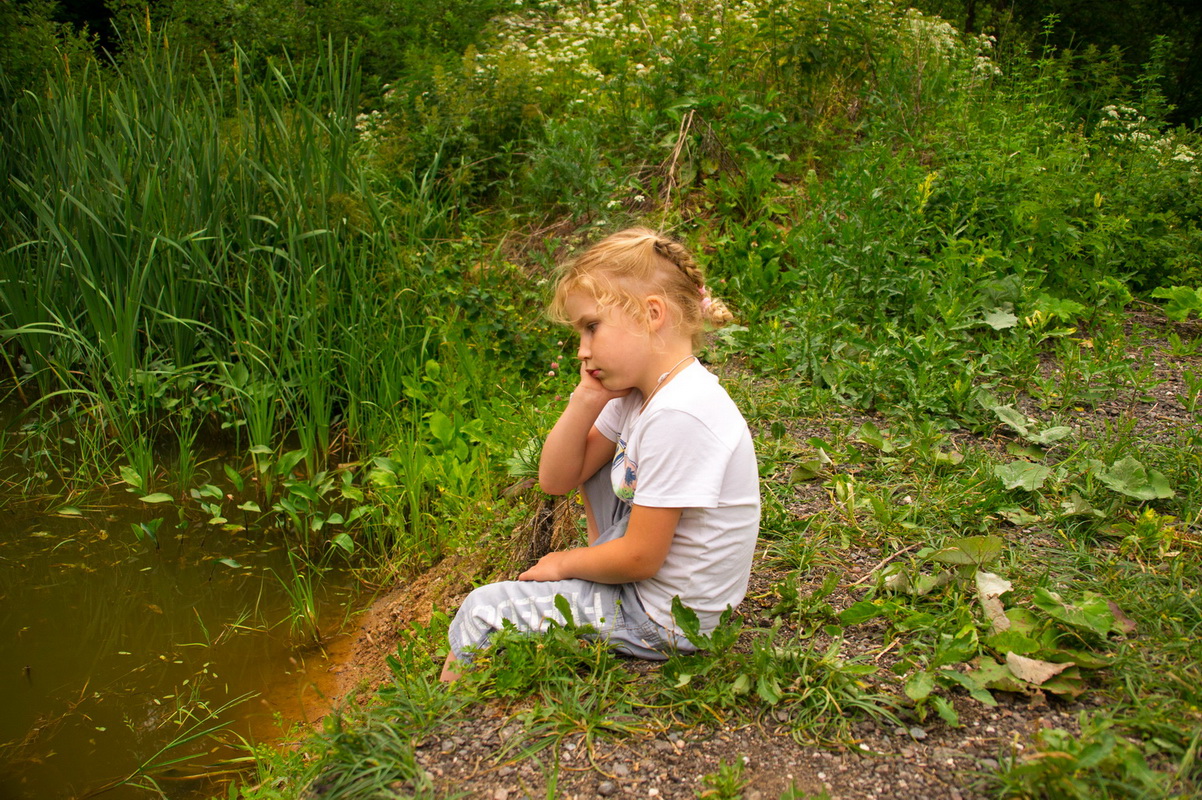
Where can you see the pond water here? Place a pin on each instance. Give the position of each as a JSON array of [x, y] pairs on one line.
[[112, 649]]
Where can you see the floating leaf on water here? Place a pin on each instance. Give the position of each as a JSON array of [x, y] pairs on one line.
[[229, 562], [157, 497], [234, 476], [250, 505], [68, 511]]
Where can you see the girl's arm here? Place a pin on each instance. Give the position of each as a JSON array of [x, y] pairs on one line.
[[574, 449], [636, 556]]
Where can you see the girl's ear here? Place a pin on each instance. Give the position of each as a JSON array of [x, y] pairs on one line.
[[657, 312]]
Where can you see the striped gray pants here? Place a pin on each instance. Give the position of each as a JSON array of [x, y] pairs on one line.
[[613, 610]]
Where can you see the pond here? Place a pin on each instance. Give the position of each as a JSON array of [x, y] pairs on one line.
[[119, 655]]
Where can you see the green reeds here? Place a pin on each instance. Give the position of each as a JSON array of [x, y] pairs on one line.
[[159, 225]]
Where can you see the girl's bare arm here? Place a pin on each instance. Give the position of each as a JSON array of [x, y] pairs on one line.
[[636, 556], [574, 449]]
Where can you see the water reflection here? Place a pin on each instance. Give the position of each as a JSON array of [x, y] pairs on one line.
[[112, 649]]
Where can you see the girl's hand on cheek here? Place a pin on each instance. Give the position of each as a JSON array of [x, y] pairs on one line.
[[592, 386], [548, 568]]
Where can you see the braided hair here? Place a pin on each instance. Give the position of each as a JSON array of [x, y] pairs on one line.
[[626, 267]]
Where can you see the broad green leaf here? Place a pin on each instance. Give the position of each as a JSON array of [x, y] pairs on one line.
[[234, 476], [859, 612], [288, 462], [1091, 615], [1022, 475], [872, 435], [1000, 319], [229, 562], [1128, 476], [686, 619], [131, 476], [956, 649], [919, 686], [157, 497], [1182, 301], [250, 505], [991, 674], [1012, 641], [976, 688], [978, 550], [68, 511], [345, 542], [1015, 420], [805, 471], [442, 427], [565, 610], [1050, 435]]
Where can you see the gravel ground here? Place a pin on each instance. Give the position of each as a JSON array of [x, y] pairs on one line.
[[921, 759]]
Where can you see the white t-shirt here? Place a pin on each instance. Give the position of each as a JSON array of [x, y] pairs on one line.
[[690, 449]]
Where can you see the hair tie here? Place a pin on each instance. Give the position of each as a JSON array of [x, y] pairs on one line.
[[706, 300]]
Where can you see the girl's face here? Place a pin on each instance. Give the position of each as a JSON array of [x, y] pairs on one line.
[[613, 349]]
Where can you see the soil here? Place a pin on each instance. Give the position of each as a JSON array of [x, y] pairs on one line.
[[922, 759]]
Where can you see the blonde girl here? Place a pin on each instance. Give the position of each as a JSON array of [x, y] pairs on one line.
[[662, 455]]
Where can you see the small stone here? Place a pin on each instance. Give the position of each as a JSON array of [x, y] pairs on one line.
[[899, 731], [505, 771], [662, 746], [607, 788], [989, 763], [447, 747], [621, 770], [754, 795], [500, 794], [918, 733]]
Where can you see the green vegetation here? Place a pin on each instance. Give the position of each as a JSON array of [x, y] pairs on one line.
[[967, 275]]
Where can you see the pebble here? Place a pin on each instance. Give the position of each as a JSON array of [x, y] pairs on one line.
[[500, 794], [447, 747], [918, 733], [621, 770], [607, 788], [662, 746], [989, 763]]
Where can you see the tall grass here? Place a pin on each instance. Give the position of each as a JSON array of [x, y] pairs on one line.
[[159, 224]]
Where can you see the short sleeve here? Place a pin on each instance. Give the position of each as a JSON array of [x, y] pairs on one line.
[[611, 419]]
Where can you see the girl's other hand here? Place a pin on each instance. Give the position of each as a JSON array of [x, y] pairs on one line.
[[548, 568]]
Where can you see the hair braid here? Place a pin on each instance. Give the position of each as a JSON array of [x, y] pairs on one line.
[[713, 311]]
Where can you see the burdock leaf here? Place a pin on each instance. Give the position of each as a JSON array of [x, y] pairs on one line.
[[1022, 475], [1128, 476]]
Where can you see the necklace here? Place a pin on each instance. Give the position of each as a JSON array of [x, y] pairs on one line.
[[662, 379]]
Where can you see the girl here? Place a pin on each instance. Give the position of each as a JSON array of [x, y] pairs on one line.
[[663, 456]]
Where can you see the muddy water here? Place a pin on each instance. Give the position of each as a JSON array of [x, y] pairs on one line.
[[111, 649]]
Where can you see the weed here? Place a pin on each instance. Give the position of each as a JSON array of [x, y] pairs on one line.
[[726, 783]]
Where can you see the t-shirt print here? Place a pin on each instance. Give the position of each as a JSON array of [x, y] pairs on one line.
[[629, 474]]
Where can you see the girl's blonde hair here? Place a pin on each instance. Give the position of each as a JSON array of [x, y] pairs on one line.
[[623, 269]]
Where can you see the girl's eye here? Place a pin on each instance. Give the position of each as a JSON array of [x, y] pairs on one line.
[[592, 326]]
